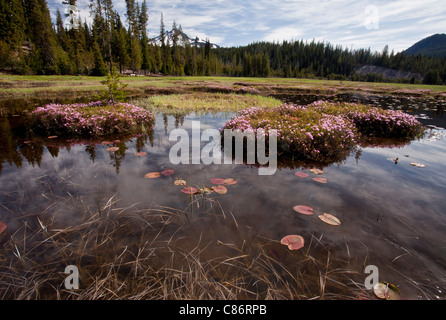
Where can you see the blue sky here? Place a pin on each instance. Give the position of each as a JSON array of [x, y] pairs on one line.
[[349, 23]]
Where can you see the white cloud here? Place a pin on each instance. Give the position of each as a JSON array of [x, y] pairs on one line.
[[232, 22], [283, 33]]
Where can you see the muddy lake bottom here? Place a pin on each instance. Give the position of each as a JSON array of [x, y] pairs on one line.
[[393, 214]]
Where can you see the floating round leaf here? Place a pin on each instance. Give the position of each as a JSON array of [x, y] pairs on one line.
[[206, 190], [114, 149], [418, 165], [217, 181], [2, 227], [320, 180], [316, 171], [141, 154], [384, 290], [52, 137], [294, 242], [302, 175], [230, 182], [168, 172], [220, 189], [304, 210], [330, 219], [180, 182], [152, 175], [189, 190]]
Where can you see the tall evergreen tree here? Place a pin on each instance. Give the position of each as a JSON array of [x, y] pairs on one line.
[[40, 30]]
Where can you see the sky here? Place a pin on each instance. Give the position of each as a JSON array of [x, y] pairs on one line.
[[349, 23]]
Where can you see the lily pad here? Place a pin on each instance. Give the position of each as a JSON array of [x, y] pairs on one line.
[[114, 149], [2, 227], [317, 171], [320, 180], [190, 190], [301, 175], [418, 165], [52, 137], [141, 154], [168, 172], [206, 190], [294, 242], [180, 182], [220, 189], [217, 181], [304, 210], [230, 182], [384, 290], [330, 219], [152, 175]]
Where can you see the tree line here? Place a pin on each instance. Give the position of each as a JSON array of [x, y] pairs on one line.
[[30, 43]]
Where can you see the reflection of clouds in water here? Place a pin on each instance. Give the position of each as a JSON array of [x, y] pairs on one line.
[[386, 210]]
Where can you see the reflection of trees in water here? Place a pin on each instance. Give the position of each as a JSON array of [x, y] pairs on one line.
[[15, 148], [290, 161]]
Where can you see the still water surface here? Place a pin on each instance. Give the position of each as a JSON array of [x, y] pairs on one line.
[[393, 214]]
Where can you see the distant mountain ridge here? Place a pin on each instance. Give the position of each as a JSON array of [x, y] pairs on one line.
[[433, 46], [183, 38]]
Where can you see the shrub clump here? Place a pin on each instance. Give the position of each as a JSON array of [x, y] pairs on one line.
[[92, 119], [324, 131]]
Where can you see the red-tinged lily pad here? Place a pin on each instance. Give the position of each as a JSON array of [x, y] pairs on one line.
[[52, 137], [152, 175], [320, 180], [168, 172], [418, 165], [230, 182], [141, 154], [384, 290], [180, 182], [2, 227], [206, 190], [301, 175], [114, 149], [28, 142], [190, 190], [330, 219], [293, 242], [218, 181], [304, 210], [220, 189], [106, 142], [317, 171]]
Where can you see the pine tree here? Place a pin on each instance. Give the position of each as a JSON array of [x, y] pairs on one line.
[[39, 28], [12, 22], [99, 69]]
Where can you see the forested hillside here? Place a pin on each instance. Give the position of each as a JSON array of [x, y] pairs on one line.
[[30, 43]]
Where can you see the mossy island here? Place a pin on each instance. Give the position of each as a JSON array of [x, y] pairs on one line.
[[324, 131]]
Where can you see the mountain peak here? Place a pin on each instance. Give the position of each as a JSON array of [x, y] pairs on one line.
[[433, 46], [182, 39]]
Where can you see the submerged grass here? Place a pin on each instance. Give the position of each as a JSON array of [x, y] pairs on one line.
[[160, 253]]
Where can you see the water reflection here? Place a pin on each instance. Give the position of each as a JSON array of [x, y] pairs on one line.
[[393, 215]]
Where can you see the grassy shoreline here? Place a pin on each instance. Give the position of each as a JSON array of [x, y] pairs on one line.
[[14, 87]]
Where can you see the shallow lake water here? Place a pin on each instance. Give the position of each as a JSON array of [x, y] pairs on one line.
[[393, 214]]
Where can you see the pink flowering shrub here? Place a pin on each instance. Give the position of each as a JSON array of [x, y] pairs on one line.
[[324, 131], [92, 119]]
